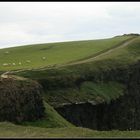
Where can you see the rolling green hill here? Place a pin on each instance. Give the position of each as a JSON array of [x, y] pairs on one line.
[[53, 54], [120, 56]]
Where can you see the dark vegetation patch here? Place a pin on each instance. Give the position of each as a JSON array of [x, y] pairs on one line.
[[20, 100]]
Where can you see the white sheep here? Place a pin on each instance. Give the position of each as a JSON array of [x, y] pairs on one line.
[[43, 57], [14, 64], [5, 64], [19, 63], [6, 52], [28, 61]]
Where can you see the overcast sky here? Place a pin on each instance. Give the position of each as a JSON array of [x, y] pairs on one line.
[[24, 23]]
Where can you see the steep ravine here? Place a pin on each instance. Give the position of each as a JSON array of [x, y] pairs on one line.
[[122, 113]]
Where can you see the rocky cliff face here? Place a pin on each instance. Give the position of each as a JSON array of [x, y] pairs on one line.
[[122, 113], [20, 100]]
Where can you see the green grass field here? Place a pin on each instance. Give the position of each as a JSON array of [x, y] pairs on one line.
[[42, 55], [9, 130]]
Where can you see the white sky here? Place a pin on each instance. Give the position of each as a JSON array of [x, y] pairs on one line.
[[24, 23]]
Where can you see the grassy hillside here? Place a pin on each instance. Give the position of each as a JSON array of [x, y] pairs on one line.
[[8, 130], [126, 55], [118, 57], [83, 82], [42, 55]]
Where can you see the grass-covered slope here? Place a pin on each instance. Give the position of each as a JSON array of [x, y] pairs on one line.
[[65, 84], [43, 55], [81, 82], [117, 57], [8, 130]]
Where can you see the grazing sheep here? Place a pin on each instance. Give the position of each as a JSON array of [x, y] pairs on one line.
[[5, 64], [28, 61], [44, 58], [19, 63], [14, 64], [6, 52]]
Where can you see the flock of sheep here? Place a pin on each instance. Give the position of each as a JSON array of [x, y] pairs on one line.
[[19, 63], [13, 64]]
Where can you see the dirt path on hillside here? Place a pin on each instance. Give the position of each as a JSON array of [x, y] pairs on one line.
[[104, 53]]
